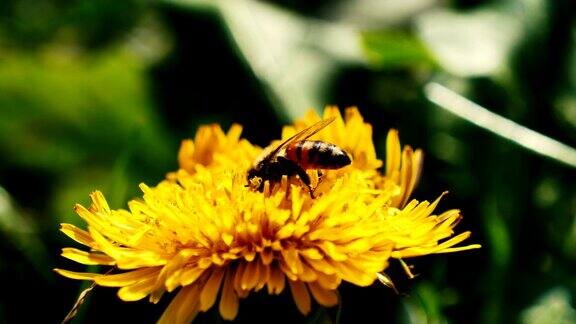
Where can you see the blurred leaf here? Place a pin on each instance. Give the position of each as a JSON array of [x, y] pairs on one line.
[[293, 56], [119, 185], [569, 245], [547, 192], [565, 103], [118, 182], [58, 104], [320, 316], [22, 233], [498, 234], [470, 44], [94, 24], [195, 4], [376, 14], [71, 116], [565, 108], [392, 49], [272, 42], [448, 148], [424, 306], [553, 307], [500, 249]]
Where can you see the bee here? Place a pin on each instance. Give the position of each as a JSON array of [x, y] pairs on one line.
[[296, 155]]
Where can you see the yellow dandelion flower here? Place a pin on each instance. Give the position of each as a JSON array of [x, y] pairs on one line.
[[212, 147], [206, 235]]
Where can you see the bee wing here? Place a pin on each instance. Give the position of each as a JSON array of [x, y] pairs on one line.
[[303, 134]]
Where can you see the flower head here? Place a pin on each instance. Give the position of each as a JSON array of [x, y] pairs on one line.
[[204, 233]]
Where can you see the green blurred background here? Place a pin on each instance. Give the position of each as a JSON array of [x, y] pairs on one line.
[[98, 95]]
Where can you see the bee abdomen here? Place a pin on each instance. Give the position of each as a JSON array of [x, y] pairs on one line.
[[317, 155]]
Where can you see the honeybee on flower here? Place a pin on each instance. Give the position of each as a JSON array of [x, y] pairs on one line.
[[205, 236], [296, 155]]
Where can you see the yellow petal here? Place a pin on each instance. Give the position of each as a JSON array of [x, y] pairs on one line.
[[329, 282], [234, 132], [393, 156], [77, 275], [405, 176], [78, 235], [190, 275], [127, 258], [264, 276], [332, 251], [171, 274], [88, 216], [87, 257], [211, 289], [292, 259], [301, 296], [228, 301], [308, 274], [183, 308], [127, 278], [285, 232], [417, 162], [137, 290], [99, 202], [460, 248], [186, 155], [322, 265], [352, 273], [250, 276], [276, 282], [237, 276], [267, 256], [324, 297], [311, 253]]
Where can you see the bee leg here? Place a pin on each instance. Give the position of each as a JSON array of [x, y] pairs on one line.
[[320, 178], [261, 186], [305, 179], [294, 168]]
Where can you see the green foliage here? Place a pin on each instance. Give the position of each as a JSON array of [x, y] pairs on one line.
[[96, 24], [56, 104], [393, 50]]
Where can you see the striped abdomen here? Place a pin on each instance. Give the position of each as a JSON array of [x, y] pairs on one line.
[[317, 155]]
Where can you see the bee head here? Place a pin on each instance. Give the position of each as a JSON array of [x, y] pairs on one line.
[[254, 179], [251, 174]]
